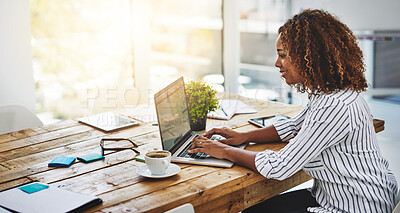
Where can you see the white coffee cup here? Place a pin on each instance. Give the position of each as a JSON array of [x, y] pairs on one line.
[[158, 161]]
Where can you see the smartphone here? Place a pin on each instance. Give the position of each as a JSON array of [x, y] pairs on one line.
[[268, 120]]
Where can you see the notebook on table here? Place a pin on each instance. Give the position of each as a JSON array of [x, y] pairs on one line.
[[173, 122], [40, 197], [230, 107]]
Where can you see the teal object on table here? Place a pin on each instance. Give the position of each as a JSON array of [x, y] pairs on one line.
[[62, 161], [91, 157], [34, 187]]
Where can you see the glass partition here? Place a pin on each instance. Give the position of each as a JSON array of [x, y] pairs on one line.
[[259, 23]]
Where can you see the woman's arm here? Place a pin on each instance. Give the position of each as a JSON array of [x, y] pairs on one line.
[[223, 151], [325, 126], [242, 157], [263, 135], [219, 149]]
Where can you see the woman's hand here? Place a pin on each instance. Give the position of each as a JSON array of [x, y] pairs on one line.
[[210, 147], [223, 151], [232, 137]]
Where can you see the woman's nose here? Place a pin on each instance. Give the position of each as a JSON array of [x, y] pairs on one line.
[[278, 62]]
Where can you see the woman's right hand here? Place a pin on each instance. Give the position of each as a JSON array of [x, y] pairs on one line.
[[232, 137]]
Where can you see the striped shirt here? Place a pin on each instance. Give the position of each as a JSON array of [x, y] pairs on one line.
[[333, 140]]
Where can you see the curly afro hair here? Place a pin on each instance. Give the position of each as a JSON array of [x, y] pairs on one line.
[[325, 51]]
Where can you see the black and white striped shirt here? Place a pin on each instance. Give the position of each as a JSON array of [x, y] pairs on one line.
[[333, 140]]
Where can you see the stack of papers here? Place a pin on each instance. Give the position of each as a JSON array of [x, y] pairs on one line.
[[230, 107]]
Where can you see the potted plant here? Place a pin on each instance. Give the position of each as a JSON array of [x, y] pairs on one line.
[[201, 100]]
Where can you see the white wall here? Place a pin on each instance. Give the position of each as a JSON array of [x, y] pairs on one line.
[[358, 14], [16, 75]]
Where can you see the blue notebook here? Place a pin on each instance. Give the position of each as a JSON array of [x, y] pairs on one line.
[[34, 187], [62, 161], [91, 157]]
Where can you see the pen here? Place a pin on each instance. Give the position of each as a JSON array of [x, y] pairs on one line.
[[222, 109]]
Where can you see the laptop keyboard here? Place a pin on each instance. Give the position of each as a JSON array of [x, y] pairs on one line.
[[198, 155]]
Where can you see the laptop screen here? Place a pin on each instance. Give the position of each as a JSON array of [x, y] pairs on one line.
[[172, 114]]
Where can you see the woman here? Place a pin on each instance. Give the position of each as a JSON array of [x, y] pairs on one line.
[[332, 139]]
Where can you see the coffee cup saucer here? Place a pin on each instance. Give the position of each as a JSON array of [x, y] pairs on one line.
[[173, 169]]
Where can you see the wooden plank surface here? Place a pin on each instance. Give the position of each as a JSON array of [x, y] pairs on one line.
[[24, 156], [36, 131], [188, 177], [15, 182], [47, 136], [37, 162]]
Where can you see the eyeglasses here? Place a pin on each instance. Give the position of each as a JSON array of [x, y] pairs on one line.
[[117, 148]]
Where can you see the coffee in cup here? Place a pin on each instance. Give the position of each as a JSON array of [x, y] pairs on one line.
[[158, 161], [158, 155]]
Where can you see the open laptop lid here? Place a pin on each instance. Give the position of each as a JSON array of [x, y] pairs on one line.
[[172, 115]]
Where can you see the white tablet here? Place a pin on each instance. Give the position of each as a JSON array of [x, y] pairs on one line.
[[108, 121], [268, 120]]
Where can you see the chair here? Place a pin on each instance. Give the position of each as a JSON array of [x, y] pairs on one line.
[[185, 208], [15, 117], [397, 208]]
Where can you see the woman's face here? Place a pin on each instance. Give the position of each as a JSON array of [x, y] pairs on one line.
[[285, 65]]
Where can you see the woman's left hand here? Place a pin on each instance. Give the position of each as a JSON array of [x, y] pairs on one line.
[[210, 147]]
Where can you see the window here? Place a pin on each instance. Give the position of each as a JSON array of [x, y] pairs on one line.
[[95, 55], [79, 48], [259, 23], [186, 39]]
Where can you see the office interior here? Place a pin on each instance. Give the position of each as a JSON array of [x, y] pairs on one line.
[[67, 59]]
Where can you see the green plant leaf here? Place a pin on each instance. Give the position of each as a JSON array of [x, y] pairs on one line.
[[201, 99]]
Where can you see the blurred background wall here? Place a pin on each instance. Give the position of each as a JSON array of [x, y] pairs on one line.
[[16, 76]]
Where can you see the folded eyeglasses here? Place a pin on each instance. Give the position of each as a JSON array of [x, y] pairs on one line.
[[134, 145]]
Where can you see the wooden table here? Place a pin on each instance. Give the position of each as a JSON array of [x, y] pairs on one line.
[[24, 156]]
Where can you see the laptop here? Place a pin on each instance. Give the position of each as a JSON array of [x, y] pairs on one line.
[[175, 132]]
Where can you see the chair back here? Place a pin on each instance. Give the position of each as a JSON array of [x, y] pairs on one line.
[[15, 117], [397, 208], [185, 208]]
